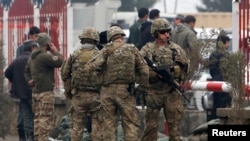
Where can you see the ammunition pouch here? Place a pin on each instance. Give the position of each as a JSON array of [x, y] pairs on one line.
[[178, 73]]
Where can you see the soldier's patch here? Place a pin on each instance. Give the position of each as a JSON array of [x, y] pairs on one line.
[[55, 58]]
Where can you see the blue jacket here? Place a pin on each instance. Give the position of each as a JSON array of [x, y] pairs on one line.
[[214, 65], [15, 74]]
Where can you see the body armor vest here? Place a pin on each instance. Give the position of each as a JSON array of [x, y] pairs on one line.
[[120, 65], [83, 80]]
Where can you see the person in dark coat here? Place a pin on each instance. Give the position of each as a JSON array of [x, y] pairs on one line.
[[31, 35], [22, 91], [220, 99], [145, 29], [103, 37], [134, 30]]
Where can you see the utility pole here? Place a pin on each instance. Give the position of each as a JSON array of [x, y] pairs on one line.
[[165, 5], [175, 6], [235, 22]]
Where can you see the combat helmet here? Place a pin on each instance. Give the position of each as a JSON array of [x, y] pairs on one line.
[[160, 24], [114, 30], [90, 33]]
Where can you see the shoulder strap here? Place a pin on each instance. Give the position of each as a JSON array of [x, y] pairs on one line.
[[87, 54], [115, 46]]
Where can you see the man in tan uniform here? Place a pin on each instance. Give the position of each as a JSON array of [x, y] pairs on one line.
[[160, 94], [83, 87], [120, 63]]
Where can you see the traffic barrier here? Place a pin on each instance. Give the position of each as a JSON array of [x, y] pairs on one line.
[[216, 86]]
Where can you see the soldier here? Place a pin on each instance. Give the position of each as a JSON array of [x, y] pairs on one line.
[[160, 94], [120, 63], [83, 87], [39, 72]]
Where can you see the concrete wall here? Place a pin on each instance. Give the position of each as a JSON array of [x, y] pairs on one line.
[[213, 19]]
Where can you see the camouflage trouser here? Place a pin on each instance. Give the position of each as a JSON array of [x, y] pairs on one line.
[[173, 112], [116, 101], [43, 108], [84, 103]]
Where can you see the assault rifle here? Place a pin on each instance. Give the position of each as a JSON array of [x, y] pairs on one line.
[[166, 76]]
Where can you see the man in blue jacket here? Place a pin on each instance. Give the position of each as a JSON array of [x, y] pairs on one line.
[[220, 99], [31, 35], [22, 91]]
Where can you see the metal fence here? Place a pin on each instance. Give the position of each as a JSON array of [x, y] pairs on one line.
[[52, 18], [244, 38]]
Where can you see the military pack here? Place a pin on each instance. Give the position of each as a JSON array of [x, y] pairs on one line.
[[81, 79], [115, 72]]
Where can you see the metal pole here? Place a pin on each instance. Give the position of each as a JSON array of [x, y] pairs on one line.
[[175, 6], [165, 5]]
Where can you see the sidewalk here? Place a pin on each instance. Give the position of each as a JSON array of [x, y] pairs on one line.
[[10, 138]]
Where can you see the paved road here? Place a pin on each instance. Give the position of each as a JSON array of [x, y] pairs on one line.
[[10, 138]]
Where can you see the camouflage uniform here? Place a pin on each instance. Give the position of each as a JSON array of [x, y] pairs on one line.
[[40, 70], [159, 95], [83, 87], [119, 62]]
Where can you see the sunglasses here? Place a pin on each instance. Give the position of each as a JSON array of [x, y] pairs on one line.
[[164, 31]]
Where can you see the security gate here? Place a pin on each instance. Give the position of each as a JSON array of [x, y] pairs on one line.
[[52, 18], [244, 37]]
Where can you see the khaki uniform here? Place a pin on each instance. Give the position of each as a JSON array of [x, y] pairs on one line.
[[43, 108], [120, 62], [159, 94], [83, 89]]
